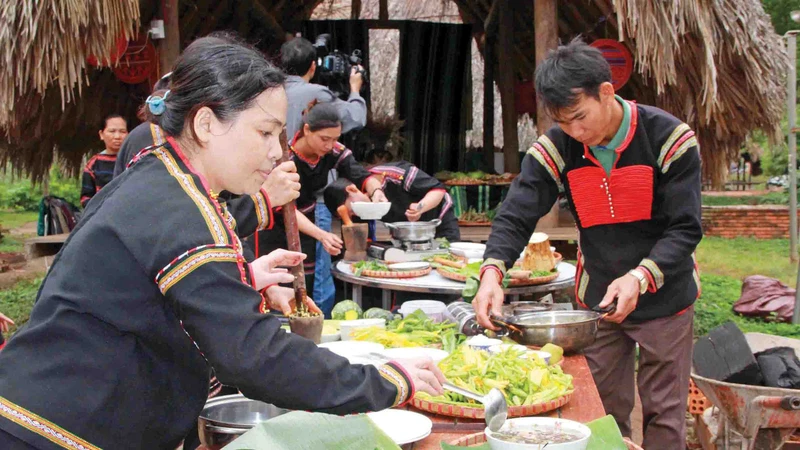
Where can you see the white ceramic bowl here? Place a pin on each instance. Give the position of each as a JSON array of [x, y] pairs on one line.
[[347, 326], [349, 349], [469, 250], [369, 210], [481, 342], [523, 423]]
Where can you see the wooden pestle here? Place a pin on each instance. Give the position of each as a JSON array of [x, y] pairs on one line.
[[293, 235]]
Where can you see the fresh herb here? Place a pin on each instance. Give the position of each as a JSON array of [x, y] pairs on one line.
[[443, 242], [415, 330], [371, 264]]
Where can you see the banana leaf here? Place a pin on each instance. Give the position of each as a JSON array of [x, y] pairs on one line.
[[299, 430], [605, 435]]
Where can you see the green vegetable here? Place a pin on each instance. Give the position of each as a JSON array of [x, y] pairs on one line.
[[443, 242], [416, 330], [605, 435], [346, 310], [290, 431], [476, 175], [368, 265], [522, 381], [379, 313]]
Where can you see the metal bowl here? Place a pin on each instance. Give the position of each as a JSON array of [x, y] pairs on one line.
[[571, 330], [225, 418], [526, 307], [413, 231]]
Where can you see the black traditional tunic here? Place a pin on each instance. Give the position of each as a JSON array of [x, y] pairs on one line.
[[313, 178], [98, 172], [145, 135], [404, 184], [149, 291], [645, 214]]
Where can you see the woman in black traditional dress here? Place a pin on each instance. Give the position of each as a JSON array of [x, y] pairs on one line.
[[151, 289]]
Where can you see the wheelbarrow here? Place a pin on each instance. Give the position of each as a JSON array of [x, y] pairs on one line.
[[765, 417]]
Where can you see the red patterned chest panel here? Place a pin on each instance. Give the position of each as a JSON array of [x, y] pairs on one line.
[[626, 196]]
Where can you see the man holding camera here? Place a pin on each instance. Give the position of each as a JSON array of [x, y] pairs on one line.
[[299, 59]]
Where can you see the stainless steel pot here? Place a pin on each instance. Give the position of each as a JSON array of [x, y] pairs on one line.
[[570, 330], [413, 231], [225, 418]]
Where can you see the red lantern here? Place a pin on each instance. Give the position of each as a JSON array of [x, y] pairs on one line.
[[619, 58], [138, 62], [119, 48]]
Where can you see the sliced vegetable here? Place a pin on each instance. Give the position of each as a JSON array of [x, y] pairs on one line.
[[368, 265], [416, 330], [346, 310], [556, 352]]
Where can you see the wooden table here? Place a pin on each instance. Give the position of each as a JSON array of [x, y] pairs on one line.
[[584, 406]]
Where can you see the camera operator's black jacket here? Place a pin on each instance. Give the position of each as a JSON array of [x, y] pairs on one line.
[[299, 92]]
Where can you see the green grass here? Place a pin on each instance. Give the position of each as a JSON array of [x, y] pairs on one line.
[[15, 219], [772, 198], [16, 302], [741, 257]]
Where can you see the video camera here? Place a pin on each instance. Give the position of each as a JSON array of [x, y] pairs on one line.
[[333, 68]]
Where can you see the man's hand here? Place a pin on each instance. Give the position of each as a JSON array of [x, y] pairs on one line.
[[282, 299], [265, 269], [356, 79], [625, 290], [332, 243], [414, 212], [283, 184], [489, 298], [5, 323], [378, 196]]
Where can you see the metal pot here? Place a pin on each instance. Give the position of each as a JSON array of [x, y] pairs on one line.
[[225, 418], [413, 231], [570, 330]]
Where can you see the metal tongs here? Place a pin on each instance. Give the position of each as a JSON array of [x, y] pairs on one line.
[[608, 310]]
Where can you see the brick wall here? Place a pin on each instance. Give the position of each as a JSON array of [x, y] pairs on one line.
[[760, 222]]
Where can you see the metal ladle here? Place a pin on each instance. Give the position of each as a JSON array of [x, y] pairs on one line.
[[494, 403]]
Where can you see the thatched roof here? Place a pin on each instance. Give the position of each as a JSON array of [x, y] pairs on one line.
[[717, 65]]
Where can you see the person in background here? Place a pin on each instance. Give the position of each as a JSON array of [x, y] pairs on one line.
[[100, 169], [414, 194], [145, 134], [631, 174], [5, 325], [315, 151], [299, 60]]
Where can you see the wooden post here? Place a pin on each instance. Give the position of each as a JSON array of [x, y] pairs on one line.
[[170, 47], [546, 27], [488, 99], [355, 9], [383, 9], [506, 84]]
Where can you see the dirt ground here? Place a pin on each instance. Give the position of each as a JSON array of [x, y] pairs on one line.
[[30, 268]]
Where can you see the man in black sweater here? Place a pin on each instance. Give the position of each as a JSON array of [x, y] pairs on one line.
[[631, 174]]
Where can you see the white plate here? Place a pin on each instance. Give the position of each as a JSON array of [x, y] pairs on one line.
[[352, 348], [403, 427], [348, 326], [408, 266], [469, 250], [369, 210], [415, 352]]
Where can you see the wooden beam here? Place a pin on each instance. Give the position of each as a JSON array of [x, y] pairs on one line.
[[265, 17], [488, 100], [490, 25], [506, 84], [170, 47], [383, 9], [355, 9], [546, 26]]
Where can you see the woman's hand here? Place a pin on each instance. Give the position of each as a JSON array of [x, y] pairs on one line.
[[282, 299], [378, 196], [332, 243], [283, 184], [425, 375], [265, 269], [414, 212], [5, 323]]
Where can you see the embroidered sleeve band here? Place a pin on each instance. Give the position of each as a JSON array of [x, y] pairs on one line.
[[395, 374], [189, 261], [655, 275], [263, 210], [493, 264]]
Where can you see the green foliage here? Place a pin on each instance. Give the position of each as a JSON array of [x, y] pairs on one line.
[[741, 257], [715, 308], [772, 198], [17, 301], [22, 195]]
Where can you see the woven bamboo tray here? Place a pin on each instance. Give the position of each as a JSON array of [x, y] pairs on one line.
[[393, 273], [474, 224], [444, 409], [512, 283]]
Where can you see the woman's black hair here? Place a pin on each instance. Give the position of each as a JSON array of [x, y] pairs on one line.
[[568, 72], [219, 72], [321, 115], [336, 194], [112, 116], [297, 56]]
